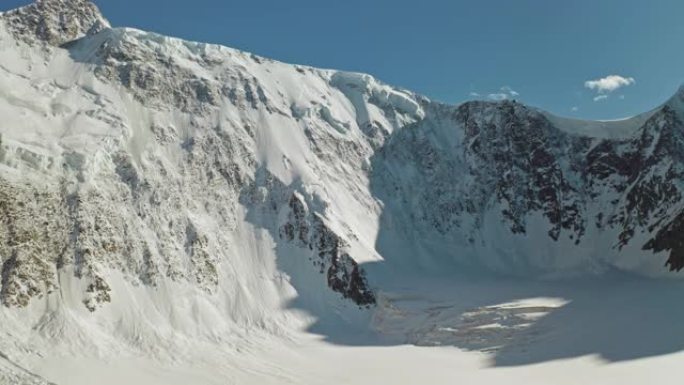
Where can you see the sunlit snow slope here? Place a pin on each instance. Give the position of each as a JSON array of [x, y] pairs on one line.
[[157, 193]]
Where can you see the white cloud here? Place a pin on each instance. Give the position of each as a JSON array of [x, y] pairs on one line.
[[504, 93], [498, 96], [509, 90], [574, 109], [598, 98], [609, 83]]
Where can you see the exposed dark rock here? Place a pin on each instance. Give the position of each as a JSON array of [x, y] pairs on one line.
[[671, 239], [55, 22], [343, 274], [98, 292]]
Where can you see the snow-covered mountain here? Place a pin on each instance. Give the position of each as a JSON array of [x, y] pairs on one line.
[[156, 191]]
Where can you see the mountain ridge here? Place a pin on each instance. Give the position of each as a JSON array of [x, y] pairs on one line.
[[152, 187]]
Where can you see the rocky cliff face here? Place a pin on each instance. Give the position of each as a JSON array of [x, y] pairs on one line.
[[310, 231], [132, 162], [155, 192], [508, 160], [55, 22]]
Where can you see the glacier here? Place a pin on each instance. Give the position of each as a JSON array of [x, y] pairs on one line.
[[190, 213]]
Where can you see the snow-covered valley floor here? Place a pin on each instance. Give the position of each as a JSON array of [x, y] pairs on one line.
[[616, 330]]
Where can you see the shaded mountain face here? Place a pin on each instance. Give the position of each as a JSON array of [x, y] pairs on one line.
[[509, 161], [130, 159]]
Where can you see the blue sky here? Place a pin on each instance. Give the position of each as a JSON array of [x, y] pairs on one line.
[[542, 52]]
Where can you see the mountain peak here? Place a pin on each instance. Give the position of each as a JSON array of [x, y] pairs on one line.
[[680, 92], [56, 22], [676, 102]]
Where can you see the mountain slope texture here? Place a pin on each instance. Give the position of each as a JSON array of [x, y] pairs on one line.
[[158, 194]]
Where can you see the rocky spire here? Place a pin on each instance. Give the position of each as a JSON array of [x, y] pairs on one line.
[[55, 22]]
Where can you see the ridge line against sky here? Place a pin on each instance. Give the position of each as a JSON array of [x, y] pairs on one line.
[[585, 59]]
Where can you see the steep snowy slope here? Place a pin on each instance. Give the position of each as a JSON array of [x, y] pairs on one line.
[[500, 184], [157, 193]]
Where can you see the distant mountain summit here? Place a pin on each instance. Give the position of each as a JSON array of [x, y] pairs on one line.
[[55, 22]]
